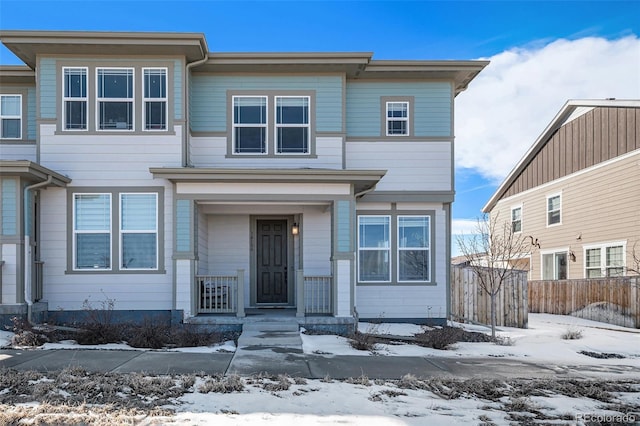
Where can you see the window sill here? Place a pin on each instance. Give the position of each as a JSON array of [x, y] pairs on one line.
[[237, 156], [115, 272], [397, 284]]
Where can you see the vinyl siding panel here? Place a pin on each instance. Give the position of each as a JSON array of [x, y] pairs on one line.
[[411, 166], [316, 241], [178, 89], [47, 85], [599, 204], [203, 244], [9, 284], [208, 98], [432, 109], [18, 152], [184, 217], [212, 151], [31, 113], [9, 203]]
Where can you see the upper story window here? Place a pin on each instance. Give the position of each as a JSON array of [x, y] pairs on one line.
[[75, 98], [554, 209], [115, 98], [516, 219], [607, 260], [249, 124], [397, 118], [155, 98], [11, 116], [292, 124]]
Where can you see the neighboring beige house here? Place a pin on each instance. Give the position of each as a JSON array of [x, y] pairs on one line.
[[577, 192]]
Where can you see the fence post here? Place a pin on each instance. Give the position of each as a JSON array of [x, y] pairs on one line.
[[240, 292], [300, 308]]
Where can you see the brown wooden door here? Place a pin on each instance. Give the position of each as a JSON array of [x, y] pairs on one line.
[[272, 261]]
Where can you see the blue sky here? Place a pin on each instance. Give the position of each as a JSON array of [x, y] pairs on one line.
[[542, 53]]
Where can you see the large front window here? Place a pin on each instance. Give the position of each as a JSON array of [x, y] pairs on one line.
[[155, 98], [413, 248], [92, 231], [139, 231], [75, 98], [374, 248], [605, 261], [292, 124], [249, 124], [10, 116], [115, 99]]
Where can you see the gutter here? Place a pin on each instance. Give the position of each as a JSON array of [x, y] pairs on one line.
[[186, 157], [27, 244]]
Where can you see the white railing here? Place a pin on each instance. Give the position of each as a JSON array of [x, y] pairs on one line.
[[317, 294], [220, 294]]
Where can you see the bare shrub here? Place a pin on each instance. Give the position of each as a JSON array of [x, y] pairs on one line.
[[99, 327], [445, 337], [572, 334], [281, 383], [504, 341], [220, 384], [409, 381], [362, 380], [362, 341], [149, 334], [187, 337], [25, 334]]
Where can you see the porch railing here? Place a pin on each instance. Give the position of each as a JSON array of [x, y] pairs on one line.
[[38, 279], [314, 294], [220, 294]]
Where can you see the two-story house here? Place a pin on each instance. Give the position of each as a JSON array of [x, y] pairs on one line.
[[207, 187], [577, 192]]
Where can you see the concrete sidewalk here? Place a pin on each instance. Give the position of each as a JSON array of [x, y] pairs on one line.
[[278, 360]]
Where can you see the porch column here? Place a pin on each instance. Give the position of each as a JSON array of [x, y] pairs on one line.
[[343, 260], [184, 255], [300, 293]]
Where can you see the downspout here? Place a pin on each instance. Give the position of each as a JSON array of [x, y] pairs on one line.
[[186, 157], [365, 192], [27, 244]]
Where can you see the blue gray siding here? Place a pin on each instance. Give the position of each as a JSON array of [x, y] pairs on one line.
[[47, 85], [9, 206], [433, 107], [184, 218], [209, 98], [343, 223]]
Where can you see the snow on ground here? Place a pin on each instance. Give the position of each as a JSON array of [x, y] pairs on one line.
[[5, 338], [394, 329]]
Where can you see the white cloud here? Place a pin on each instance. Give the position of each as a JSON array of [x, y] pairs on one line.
[[512, 101], [464, 226]]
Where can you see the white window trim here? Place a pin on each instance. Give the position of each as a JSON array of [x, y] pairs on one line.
[[564, 250], [165, 99], [146, 231], [388, 248], [388, 119], [66, 99], [76, 232], [519, 206], [132, 100], [427, 248], [603, 256], [234, 125], [546, 209], [12, 117], [277, 126]]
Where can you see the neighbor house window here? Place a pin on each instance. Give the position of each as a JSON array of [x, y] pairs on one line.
[[516, 219], [92, 231], [11, 116], [292, 124], [413, 248], [605, 261], [554, 266], [554, 206], [115, 98], [75, 98], [139, 230], [155, 98], [374, 248], [397, 118], [249, 124]]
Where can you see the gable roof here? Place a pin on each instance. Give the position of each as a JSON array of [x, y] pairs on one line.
[[571, 110]]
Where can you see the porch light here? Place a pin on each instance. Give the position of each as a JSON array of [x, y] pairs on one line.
[[295, 230]]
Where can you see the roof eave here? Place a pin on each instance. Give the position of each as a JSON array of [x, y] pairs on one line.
[[32, 171]]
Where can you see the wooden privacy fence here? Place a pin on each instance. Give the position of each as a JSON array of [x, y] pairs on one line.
[[611, 300], [470, 302]]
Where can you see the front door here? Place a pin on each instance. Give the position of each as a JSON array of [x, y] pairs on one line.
[[271, 268]]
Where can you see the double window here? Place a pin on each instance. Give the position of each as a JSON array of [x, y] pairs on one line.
[[412, 250], [554, 210], [11, 116], [135, 233], [606, 260], [113, 101], [290, 127]]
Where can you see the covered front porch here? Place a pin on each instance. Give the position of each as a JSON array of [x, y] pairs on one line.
[[268, 241]]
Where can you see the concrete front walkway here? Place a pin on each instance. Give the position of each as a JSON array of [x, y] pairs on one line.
[[276, 348]]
